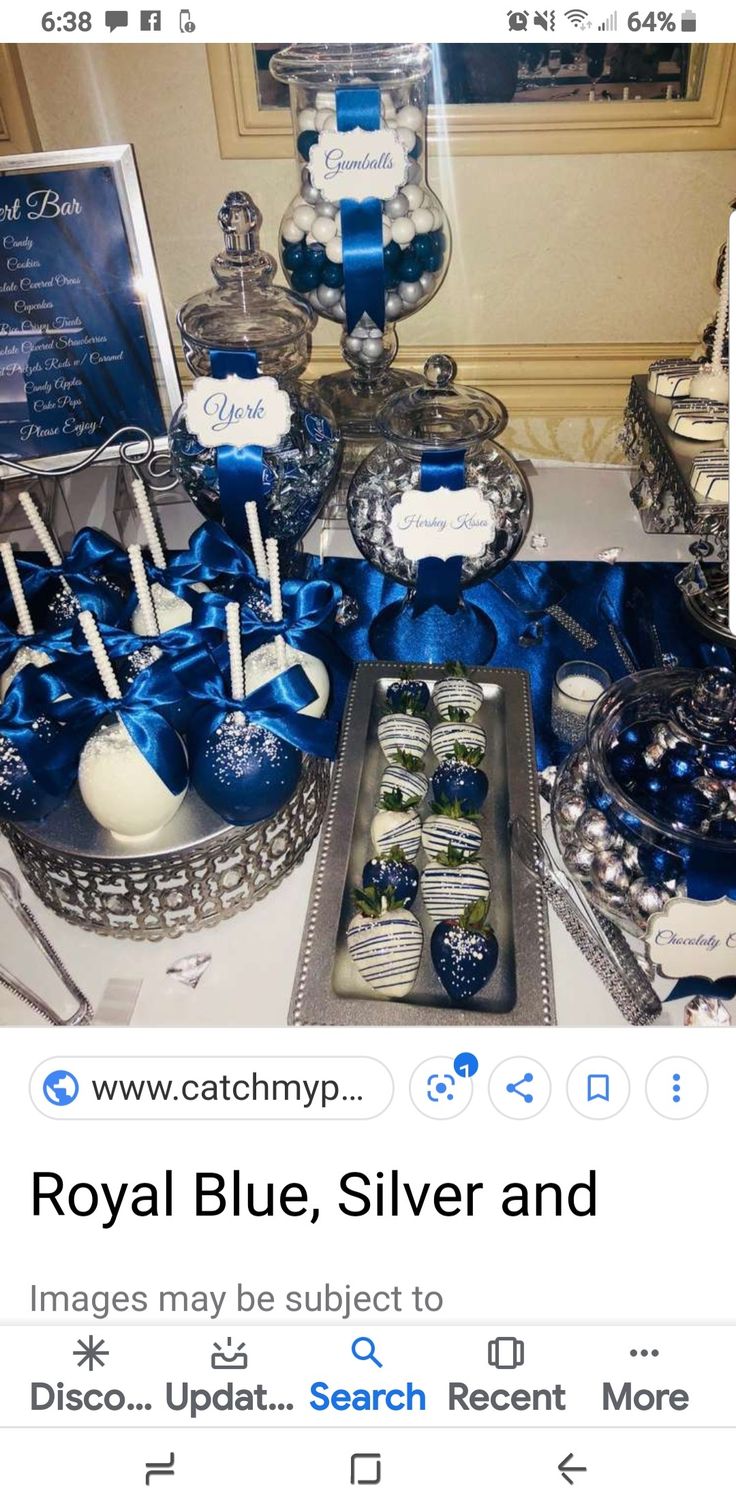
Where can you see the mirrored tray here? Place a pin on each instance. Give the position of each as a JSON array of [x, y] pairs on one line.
[[328, 987]]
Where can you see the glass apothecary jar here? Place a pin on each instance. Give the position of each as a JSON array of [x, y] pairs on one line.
[[438, 436], [247, 325], [364, 239], [645, 809]]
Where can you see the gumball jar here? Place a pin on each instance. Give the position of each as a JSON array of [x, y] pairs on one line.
[[645, 809], [439, 441], [249, 326], [364, 239]]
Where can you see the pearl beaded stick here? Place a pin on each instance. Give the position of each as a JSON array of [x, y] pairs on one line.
[[277, 603], [153, 538], [235, 649], [25, 623], [711, 382], [45, 538], [719, 335], [256, 539], [143, 590], [90, 630]]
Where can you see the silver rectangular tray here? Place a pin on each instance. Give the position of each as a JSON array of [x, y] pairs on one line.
[[328, 987]]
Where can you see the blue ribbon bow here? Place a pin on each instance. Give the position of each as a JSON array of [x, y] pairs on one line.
[[362, 222], [241, 471], [92, 558], [438, 582], [44, 750], [213, 554], [204, 676], [52, 642], [85, 708]]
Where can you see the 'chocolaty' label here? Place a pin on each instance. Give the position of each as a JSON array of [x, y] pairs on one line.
[[358, 164], [75, 363], [444, 522], [236, 411], [694, 938]]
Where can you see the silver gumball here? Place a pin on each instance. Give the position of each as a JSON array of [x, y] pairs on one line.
[[610, 900], [645, 899], [593, 829], [396, 207], [414, 174], [326, 207], [310, 194], [353, 344], [372, 350], [570, 811], [394, 305], [610, 874], [426, 280], [410, 293], [630, 857], [579, 859], [328, 296]]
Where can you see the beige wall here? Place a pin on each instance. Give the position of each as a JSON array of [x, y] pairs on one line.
[[585, 249]]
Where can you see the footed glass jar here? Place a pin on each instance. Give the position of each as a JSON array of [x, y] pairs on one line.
[[364, 239], [438, 436], [645, 809], [247, 324]]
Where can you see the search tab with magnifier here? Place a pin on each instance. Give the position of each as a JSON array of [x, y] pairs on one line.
[[598, 1088], [364, 1348]]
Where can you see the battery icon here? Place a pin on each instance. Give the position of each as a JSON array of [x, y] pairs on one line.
[[688, 21]]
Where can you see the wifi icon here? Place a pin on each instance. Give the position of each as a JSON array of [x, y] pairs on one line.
[[576, 18]]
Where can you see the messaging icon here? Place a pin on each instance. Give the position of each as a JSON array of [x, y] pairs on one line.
[[599, 1086], [115, 19]]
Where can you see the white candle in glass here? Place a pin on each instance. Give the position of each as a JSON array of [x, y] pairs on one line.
[[577, 686]]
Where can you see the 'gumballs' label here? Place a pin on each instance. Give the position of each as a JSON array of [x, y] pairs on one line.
[[443, 522], [236, 411], [358, 164]]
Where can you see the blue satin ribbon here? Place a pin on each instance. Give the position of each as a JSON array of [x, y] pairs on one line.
[[438, 582], [46, 753], [240, 469], [52, 642], [140, 708], [213, 554], [91, 557], [694, 986], [205, 676], [362, 222]]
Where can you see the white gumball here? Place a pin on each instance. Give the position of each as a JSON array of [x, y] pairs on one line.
[[333, 250], [321, 118], [330, 121], [325, 100], [290, 231], [403, 230], [436, 220], [324, 229], [170, 611], [410, 293], [387, 103], [263, 665], [307, 119], [121, 789], [423, 221], [410, 117], [25, 657], [304, 217], [406, 137], [413, 196], [386, 232]]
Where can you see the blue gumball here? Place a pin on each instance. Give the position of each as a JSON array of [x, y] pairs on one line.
[[680, 764], [685, 807], [314, 255], [333, 275], [292, 254], [422, 247], [392, 255], [243, 771], [722, 762], [433, 262], [627, 765], [458, 781], [410, 268], [305, 141], [634, 738], [305, 279], [415, 152]]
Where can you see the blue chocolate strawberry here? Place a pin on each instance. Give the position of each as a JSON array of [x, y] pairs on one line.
[[461, 782], [392, 871], [408, 697], [465, 952]]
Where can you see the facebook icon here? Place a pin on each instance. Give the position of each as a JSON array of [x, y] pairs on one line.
[[151, 20]]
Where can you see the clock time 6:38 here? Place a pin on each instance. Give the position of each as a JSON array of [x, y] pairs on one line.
[[70, 21]]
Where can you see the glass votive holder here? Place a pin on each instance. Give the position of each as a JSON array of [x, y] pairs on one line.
[[577, 686]]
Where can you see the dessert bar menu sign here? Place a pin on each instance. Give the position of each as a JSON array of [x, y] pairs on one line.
[[84, 346]]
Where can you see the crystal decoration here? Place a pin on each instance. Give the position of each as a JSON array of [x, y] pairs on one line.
[[190, 969]]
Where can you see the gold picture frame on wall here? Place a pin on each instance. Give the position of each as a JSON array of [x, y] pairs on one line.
[[17, 125], [248, 129]]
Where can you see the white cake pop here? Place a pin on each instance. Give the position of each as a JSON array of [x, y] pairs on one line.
[[118, 785], [26, 655], [269, 661], [171, 610]]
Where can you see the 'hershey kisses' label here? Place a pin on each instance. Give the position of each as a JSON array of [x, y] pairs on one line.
[[358, 164], [694, 938], [236, 411], [444, 523]]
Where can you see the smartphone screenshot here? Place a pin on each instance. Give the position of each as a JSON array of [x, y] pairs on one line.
[[367, 758]]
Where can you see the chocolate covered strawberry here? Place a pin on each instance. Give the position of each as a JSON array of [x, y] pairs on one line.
[[385, 942], [465, 952], [451, 882]]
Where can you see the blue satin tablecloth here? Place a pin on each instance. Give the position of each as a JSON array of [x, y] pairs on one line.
[[594, 593]]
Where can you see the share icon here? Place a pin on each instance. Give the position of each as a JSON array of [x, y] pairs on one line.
[[527, 1097]]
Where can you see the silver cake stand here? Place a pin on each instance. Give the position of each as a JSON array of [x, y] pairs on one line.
[[195, 872]]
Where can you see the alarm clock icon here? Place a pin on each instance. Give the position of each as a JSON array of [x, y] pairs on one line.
[[186, 24], [518, 20]]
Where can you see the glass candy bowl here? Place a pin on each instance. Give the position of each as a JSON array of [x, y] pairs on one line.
[[425, 429], [245, 312], [368, 261], [645, 809]]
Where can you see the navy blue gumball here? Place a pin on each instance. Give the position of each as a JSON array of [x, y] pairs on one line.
[[627, 765], [722, 763], [458, 781], [410, 268], [392, 255], [680, 764], [243, 771], [685, 807], [304, 279], [305, 141], [635, 738], [422, 247], [292, 254], [415, 152], [333, 275]]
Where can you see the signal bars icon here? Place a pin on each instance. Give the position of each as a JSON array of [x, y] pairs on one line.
[[611, 24]]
